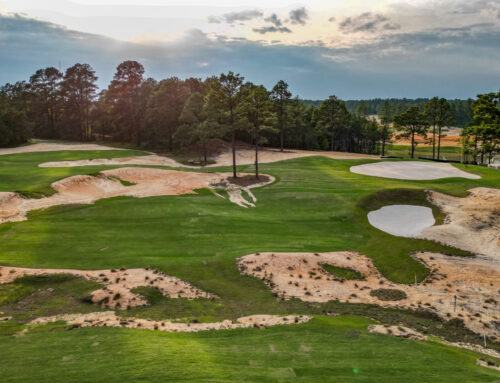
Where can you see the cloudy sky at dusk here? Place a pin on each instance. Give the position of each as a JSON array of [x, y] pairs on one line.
[[351, 48]]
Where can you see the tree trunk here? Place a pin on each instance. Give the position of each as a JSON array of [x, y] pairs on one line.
[[281, 138], [331, 139], [383, 147], [439, 142], [257, 157], [412, 144], [233, 143], [204, 153], [433, 142]]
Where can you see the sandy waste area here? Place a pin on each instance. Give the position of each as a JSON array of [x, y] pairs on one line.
[[53, 147], [472, 223], [411, 170], [145, 182], [109, 319], [474, 281], [118, 284]]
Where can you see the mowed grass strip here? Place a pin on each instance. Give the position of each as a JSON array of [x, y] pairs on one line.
[[324, 350]]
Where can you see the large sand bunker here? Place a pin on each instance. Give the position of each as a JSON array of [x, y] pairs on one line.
[[53, 147], [243, 157], [109, 319], [402, 220], [411, 170], [142, 182], [118, 284], [472, 223], [465, 288]]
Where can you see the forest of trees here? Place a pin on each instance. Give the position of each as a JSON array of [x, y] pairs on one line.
[[462, 109], [174, 114]]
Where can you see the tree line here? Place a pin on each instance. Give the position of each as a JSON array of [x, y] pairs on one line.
[[174, 114]]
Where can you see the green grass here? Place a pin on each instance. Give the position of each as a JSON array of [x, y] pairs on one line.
[[324, 350], [316, 205], [343, 272]]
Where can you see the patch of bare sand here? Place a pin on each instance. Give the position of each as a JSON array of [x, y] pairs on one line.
[[472, 282], [472, 223], [397, 331], [109, 319], [243, 157], [118, 284], [146, 182], [53, 147]]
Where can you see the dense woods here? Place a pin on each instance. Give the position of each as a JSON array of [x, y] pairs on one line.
[[174, 114]]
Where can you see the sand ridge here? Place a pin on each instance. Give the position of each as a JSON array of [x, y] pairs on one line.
[[142, 182], [53, 147], [472, 223], [118, 284], [109, 319], [411, 170], [474, 281]]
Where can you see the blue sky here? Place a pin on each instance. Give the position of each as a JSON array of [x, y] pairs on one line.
[[353, 49]]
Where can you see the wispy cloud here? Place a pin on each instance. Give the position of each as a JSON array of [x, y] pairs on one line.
[[272, 29], [233, 17], [299, 16], [366, 22]]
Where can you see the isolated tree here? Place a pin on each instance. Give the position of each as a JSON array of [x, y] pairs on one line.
[[123, 93], [224, 106], [281, 98], [439, 114], [44, 85], [259, 109], [410, 123], [385, 114], [79, 89]]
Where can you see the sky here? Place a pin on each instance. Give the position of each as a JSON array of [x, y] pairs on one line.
[[355, 49]]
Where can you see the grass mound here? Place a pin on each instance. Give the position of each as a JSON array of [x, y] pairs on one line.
[[343, 272], [388, 294]]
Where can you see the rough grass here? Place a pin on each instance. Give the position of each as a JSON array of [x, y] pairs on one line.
[[388, 294], [342, 272]]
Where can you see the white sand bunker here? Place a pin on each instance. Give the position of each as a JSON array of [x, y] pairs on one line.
[[109, 319], [472, 223], [118, 284], [53, 147], [411, 170], [243, 157], [402, 220], [142, 182], [465, 288]]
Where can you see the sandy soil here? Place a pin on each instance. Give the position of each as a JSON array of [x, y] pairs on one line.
[[243, 157], [452, 139], [474, 281], [147, 182], [397, 331], [411, 170], [53, 147], [118, 284], [109, 319], [402, 220], [472, 223]]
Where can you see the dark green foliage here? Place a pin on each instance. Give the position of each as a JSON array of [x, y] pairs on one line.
[[388, 294], [343, 272]]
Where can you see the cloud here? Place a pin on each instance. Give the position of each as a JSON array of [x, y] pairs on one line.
[[274, 19], [366, 22], [332, 19], [420, 64], [272, 29], [233, 17], [299, 16]]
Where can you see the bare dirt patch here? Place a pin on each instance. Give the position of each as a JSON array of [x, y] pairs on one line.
[[118, 284], [109, 319], [139, 182], [411, 170], [461, 288], [397, 331], [472, 223], [53, 147]]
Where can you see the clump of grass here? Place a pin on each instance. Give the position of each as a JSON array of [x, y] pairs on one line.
[[123, 182], [343, 272], [388, 294]]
